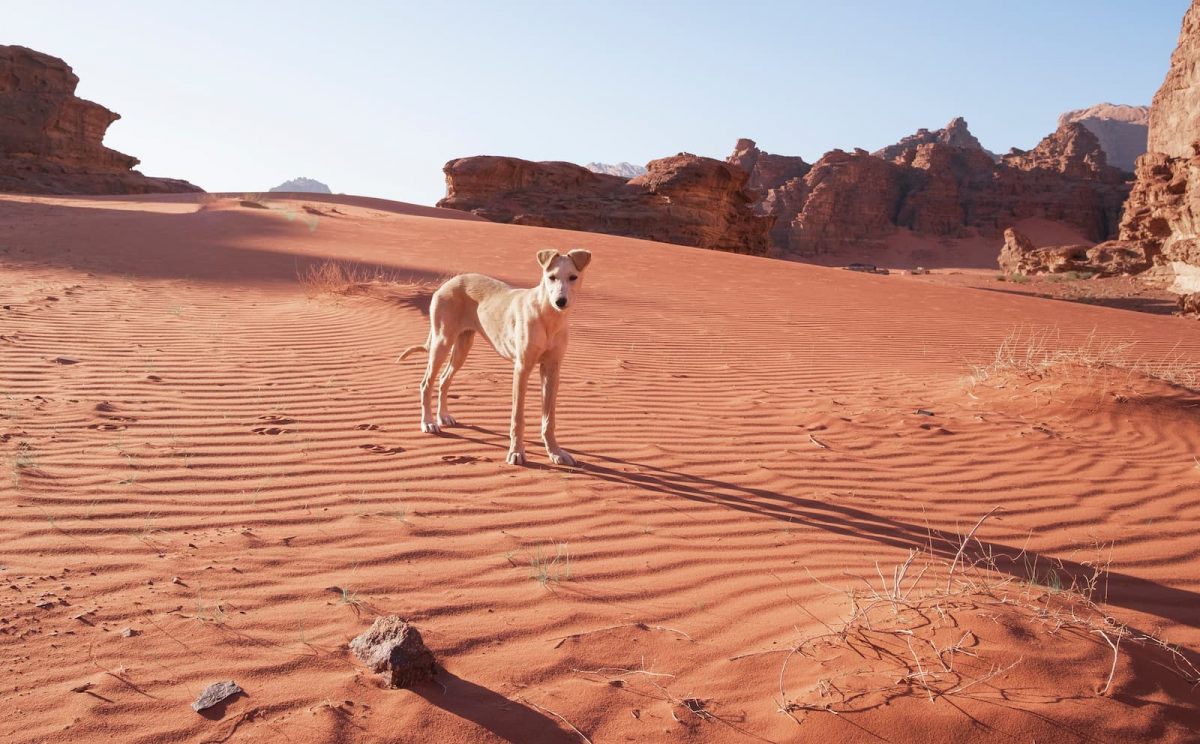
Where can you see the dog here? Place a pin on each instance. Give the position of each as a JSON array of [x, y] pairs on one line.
[[525, 326]]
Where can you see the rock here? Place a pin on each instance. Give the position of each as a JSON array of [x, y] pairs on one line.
[[302, 185], [766, 171], [1162, 215], [1189, 304], [622, 169], [940, 184], [51, 142], [845, 200], [1019, 256], [682, 199], [1122, 130], [215, 693], [954, 134], [1117, 257], [129, 633], [393, 646]]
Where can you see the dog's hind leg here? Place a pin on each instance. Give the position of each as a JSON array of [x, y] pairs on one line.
[[458, 355], [439, 349]]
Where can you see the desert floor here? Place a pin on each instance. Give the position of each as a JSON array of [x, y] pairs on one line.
[[807, 505]]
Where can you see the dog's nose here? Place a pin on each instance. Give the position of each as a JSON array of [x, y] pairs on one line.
[[561, 302]]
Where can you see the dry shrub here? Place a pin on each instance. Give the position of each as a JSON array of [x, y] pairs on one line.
[[1028, 355], [922, 628], [340, 278]]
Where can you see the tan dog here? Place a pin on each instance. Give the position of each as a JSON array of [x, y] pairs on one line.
[[526, 326]]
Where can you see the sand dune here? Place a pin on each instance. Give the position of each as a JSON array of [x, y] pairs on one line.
[[199, 448]]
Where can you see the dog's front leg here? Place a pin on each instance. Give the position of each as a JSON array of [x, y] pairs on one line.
[[550, 370], [516, 444]]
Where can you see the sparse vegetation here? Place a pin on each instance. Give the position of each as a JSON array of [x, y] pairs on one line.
[[911, 632], [1036, 355], [549, 569], [341, 278]]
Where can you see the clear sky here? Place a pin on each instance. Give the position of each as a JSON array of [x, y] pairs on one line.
[[374, 97]]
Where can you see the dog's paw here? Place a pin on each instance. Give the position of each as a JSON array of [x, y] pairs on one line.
[[516, 458], [447, 420], [562, 457], [431, 427]]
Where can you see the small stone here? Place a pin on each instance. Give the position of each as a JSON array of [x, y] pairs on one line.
[[176, 580], [215, 693], [65, 360], [129, 632], [393, 646]]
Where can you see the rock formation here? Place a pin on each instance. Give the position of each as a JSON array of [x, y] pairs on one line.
[[955, 134], [1162, 215], [940, 183], [1122, 130], [622, 169], [303, 185], [1019, 256], [682, 199], [51, 142]]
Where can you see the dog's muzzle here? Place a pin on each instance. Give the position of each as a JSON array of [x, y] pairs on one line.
[[560, 303]]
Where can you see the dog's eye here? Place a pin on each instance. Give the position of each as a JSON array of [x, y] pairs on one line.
[[573, 278], [554, 278]]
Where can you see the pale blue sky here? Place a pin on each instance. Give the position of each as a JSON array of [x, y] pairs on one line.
[[373, 98]]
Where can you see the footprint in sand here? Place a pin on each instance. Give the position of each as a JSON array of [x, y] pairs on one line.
[[379, 449], [459, 459], [367, 427], [270, 430], [108, 427], [277, 418]]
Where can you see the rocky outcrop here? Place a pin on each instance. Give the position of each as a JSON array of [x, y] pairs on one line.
[[303, 185], [1162, 214], [766, 171], [51, 142], [1122, 130], [941, 184], [1019, 256], [954, 134], [682, 199], [622, 169], [846, 199]]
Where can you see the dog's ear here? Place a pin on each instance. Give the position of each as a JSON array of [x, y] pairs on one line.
[[545, 257], [580, 258]]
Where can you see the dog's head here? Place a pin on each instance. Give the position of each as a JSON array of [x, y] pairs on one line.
[[562, 276]]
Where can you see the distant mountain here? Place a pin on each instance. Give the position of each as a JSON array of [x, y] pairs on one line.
[[1122, 130], [625, 170], [304, 185]]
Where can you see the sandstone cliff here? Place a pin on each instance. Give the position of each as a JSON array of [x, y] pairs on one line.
[[1162, 215], [51, 142], [940, 183], [682, 199], [1122, 130]]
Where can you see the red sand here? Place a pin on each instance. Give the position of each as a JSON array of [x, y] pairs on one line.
[[176, 405]]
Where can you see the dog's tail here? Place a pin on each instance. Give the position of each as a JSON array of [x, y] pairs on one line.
[[412, 350]]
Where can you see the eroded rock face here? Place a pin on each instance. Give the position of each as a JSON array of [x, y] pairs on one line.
[[954, 134], [846, 199], [1163, 210], [1019, 256], [936, 184], [682, 199], [51, 142], [1122, 130]]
